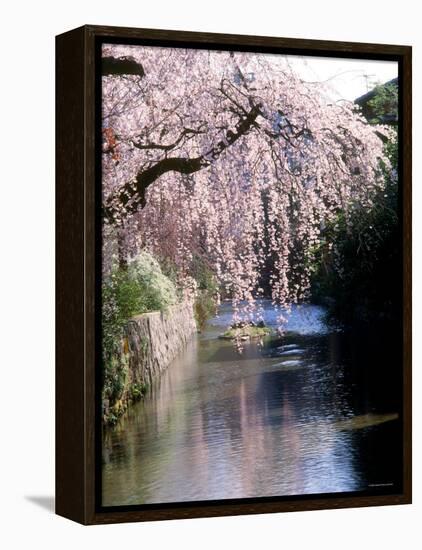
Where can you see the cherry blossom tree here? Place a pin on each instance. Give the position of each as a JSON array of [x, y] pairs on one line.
[[229, 156]]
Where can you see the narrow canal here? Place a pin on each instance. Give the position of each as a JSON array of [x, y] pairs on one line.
[[300, 414]]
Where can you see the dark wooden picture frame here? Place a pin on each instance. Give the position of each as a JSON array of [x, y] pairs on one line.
[[77, 227]]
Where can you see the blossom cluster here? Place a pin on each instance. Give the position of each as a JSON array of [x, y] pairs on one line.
[[244, 166]]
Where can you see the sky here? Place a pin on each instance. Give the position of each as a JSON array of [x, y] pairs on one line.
[[347, 78]]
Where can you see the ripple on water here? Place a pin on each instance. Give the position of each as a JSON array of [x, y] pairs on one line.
[[289, 352], [289, 363]]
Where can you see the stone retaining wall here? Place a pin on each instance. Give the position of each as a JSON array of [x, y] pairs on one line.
[[151, 343], [156, 338]]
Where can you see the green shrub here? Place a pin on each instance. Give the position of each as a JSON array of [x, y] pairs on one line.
[[206, 300], [205, 306], [138, 391], [155, 290], [361, 276], [383, 103], [137, 289], [367, 247]]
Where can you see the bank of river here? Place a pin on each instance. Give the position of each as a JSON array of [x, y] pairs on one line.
[[305, 413]]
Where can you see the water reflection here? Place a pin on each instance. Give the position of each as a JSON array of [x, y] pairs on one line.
[[268, 422]]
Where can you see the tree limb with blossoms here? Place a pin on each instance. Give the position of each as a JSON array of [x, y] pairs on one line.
[[230, 157]]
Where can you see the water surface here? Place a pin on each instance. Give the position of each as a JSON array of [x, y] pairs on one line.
[[307, 413]]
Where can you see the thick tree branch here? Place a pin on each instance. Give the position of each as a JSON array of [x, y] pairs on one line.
[[119, 66], [131, 196]]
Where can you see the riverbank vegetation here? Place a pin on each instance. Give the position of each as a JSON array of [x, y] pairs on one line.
[[357, 268], [141, 286], [137, 288]]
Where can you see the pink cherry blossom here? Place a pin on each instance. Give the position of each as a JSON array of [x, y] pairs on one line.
[[229, 156]]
